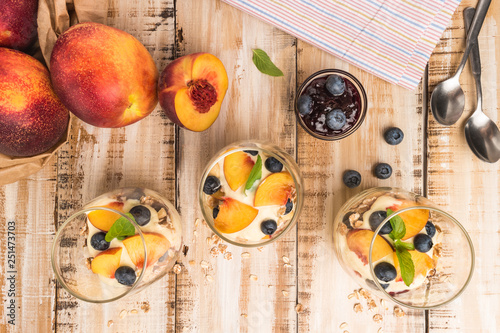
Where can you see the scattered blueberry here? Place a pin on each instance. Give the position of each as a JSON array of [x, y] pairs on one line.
[[304, 104], [251, 152], [289, 206], [125, 275], [273, 164], [98, 242], [372, 284], [346, 221], [335, 85], [383, 171], [422, 242], [141, 214], [335, 119], [376, 218], [215, 212], [385, 272], [351, 178], [268, 227], [393, 136], [430, 229], [212, 185]]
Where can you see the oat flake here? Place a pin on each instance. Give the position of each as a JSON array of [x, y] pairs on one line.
[[123, 313]]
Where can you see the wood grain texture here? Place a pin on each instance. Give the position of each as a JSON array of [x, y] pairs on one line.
[[463, 185], [142, 154], [30, 203], [256, 107], [323, 286]]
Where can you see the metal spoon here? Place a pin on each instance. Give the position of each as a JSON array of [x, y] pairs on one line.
[[481, 132], [447, 99]]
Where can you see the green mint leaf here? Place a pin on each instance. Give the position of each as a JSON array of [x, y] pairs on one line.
[[265, 64], [406, 265], [404, 246], [120, 229], [398, 226], [255, 174]]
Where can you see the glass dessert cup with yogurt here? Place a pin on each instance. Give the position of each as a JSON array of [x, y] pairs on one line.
[[331, 104], [119, 243], [381, 233], [251, 194]]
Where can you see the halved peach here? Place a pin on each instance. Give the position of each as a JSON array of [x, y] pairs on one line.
[[103, 219], [237, 168], [107, 262], [234, 216], [422, 262], [276, 189], [358, 241], [156, 245], [414, 219], [191, 90]]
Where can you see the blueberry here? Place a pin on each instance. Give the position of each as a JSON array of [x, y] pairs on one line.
[[251, 152], [273, 164], [383, 171], [98, 242], [422, 242], [335, 85], [136, 194], [125, 275], [372, 284], [393, 136], [215, 212], [268, 227], [141, 214], [376, 218], [430, 229], [288, 207], [346, 220], [158, 206], [335, 119], [304, 105], [351, 178], [385, 271], [212, 185]]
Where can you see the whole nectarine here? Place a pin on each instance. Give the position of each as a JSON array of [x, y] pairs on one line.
[[32, 118], [191, 90], [18, 23], [104, 75]]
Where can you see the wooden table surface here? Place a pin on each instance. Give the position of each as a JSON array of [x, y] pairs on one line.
[[432, 160]]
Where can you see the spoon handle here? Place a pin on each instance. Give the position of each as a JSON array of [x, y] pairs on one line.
[[475, 27], [474, 57]]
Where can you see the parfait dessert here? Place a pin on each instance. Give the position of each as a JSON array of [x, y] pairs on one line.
[[251, 194]]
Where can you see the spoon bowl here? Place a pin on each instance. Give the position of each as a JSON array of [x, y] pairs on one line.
[[483, 137], [448, 101]]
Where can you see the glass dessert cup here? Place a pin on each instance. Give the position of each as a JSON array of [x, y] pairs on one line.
[[144, 227], [251, 194], [351, 101], [436, 244]]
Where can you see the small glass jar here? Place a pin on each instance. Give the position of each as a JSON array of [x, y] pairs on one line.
[[352, 102], [98, 271], [257, 214], [440, 249]]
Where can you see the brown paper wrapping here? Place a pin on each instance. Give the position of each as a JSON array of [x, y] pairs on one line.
[[54, 17]]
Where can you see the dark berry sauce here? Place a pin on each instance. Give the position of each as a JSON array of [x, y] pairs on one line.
[[323, 102]]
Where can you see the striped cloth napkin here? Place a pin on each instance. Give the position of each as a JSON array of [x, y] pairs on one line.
[[392, 39]]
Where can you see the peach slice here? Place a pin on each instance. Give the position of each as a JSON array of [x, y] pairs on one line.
[[234, 216], [276, 189], [358, 241], [414, 219], [103, 219], [191, 90], [237, 168], [422, 262], [107, 262], [156, 245]]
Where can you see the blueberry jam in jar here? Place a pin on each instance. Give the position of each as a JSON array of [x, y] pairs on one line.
[[331, 104]]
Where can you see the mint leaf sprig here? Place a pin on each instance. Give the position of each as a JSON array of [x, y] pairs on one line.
[[406, 264], [264, 63], [121, 229], [255, 174]]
